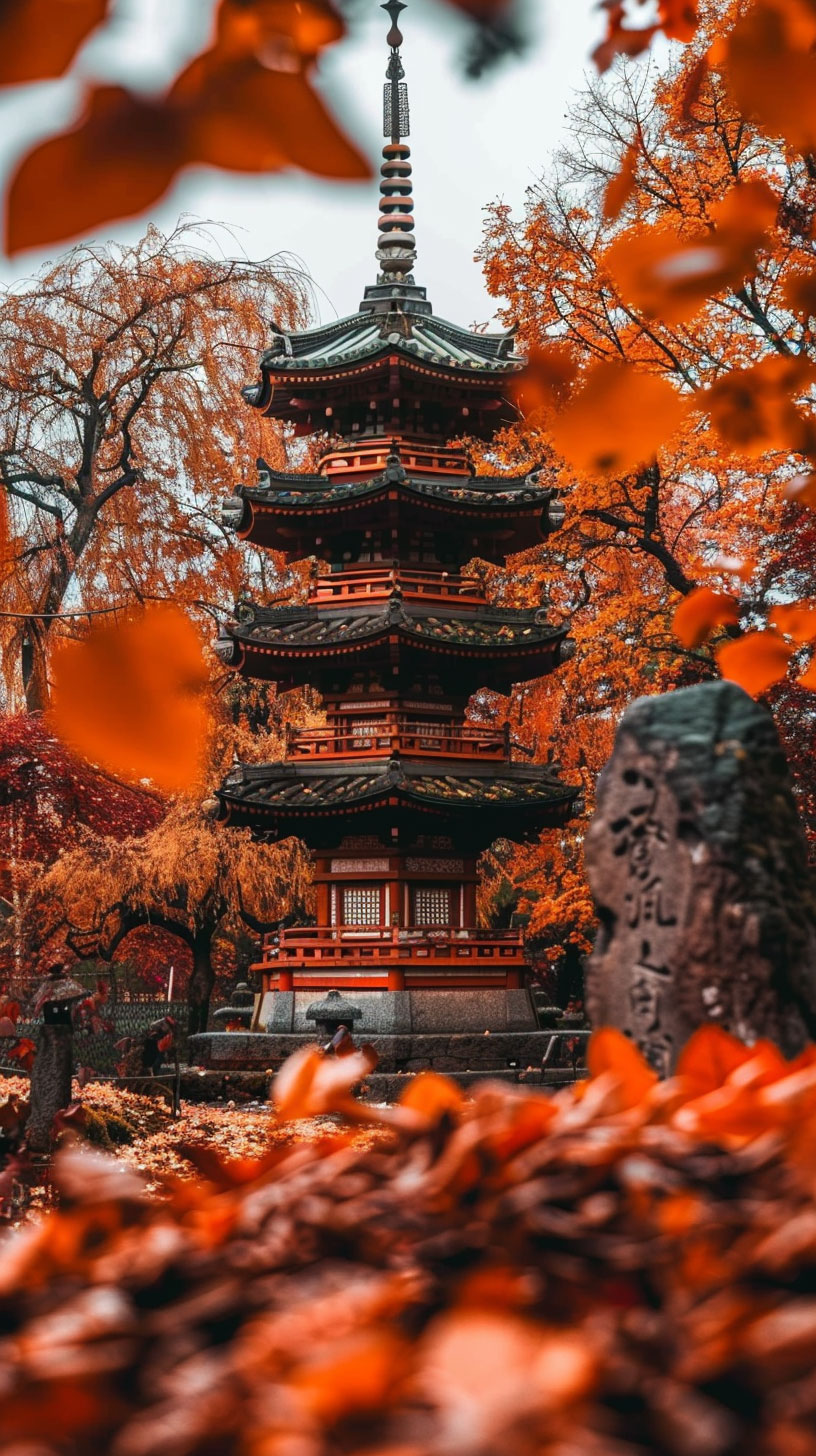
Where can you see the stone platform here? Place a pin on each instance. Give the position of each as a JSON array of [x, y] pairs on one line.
[[483, 1054], [403, 1013], [212, 1085]]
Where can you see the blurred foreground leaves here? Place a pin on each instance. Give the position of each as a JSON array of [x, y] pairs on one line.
[[627, 1267]]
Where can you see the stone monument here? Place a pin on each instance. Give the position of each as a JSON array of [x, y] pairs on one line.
[[697, 862]]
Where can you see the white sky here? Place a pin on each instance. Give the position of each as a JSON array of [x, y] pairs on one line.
[[471, 141]]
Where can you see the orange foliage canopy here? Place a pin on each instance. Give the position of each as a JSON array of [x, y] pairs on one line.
[[669, 248], [678, 243], [120, 377]]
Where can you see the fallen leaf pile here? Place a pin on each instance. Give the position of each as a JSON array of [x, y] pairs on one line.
[[627, 1267]]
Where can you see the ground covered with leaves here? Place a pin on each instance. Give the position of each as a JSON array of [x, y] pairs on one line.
[[626, 1267], [145, 1136]]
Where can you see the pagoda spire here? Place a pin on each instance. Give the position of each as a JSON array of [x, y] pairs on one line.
[[396, 247]]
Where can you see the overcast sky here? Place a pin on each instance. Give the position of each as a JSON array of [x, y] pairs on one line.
[[471, 141]]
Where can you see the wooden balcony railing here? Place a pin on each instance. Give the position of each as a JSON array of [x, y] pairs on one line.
[[376, 583], [400, 734], [382, 957], [333, 945], [367, 457]]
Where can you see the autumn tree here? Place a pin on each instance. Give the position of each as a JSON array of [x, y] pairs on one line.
[[190, 876], [700, 497], [49, 799], [200, 881], [121, 427], [670, 421]]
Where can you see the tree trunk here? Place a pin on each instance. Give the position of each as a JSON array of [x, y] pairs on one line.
[[570, 977], [33, 665], [202, 981], [36, 630]]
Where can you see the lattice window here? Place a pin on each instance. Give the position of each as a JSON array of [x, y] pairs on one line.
[[432, 905], [361, 904]]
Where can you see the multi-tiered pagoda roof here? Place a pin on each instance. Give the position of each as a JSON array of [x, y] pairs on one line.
[[400, 790]]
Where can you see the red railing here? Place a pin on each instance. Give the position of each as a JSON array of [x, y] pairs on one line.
[[377, 582], [399, 734], [308, 944], [369, 457]]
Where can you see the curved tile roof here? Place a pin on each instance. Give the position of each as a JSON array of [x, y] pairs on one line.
[[477, 490], [284, 788], [304, 627], [363, 335]]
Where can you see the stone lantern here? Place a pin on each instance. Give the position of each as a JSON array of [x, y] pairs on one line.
[[332, 1013], [239, 1014], [54, 1063]]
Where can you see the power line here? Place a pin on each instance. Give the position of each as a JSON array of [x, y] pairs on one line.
[[100, 611]]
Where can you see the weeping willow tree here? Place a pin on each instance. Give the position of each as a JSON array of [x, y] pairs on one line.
[[188, 875]]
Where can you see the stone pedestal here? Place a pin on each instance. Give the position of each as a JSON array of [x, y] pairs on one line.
[[697, 862], [509, 1054]]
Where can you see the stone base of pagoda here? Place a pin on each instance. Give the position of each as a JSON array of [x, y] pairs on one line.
[[415, 1010], [519, 1056]]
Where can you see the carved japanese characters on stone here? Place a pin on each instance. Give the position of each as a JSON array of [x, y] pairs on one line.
[[696, 859]]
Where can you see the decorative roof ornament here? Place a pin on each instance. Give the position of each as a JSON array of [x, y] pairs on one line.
[[396, 120], [396, 249]]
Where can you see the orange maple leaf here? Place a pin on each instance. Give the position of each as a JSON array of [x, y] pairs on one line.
[[668, 274], [621, 187], [130, 697], [770, 69], [753, 409], [617, 419], [310, 1084], [796, 620], [755, 661], [611, 1052], [39, 39], [701, 611]]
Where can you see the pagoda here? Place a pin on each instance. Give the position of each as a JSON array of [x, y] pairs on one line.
[[400, 792]]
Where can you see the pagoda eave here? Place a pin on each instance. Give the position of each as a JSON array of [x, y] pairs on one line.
[[406, 798], [303, 397], [408, 777], [292, 665], [480, 377], [522, 521]]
